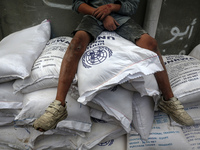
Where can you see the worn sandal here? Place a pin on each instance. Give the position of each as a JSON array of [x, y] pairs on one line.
[[53, 114]]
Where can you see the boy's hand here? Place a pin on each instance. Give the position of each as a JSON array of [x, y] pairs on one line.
[[102, 11], [110, 23]]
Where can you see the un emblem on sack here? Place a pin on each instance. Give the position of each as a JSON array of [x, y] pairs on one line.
[[96, 56]]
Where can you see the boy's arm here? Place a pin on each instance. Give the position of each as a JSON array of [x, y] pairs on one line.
[[104, 10], [80, 6], [86, 9], [110, 23], [100, 12], [128, 7]]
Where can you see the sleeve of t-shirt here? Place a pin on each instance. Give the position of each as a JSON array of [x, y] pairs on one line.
[[128, 7], [76, 4]]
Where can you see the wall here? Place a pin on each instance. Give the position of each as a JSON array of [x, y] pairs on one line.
[[174, 23], [1, 36], [19, 14], [152, 16], [178, 29]]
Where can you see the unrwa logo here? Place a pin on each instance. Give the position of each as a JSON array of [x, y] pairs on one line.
[[96, 56]]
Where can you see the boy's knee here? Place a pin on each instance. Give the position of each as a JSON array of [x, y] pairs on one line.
[[153, 45], [79, 43], [148, 42]]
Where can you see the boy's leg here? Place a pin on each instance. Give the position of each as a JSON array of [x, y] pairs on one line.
[[57, 110], [87, 31], [147, 42], [169, 104], [70, 63], [134, 32]]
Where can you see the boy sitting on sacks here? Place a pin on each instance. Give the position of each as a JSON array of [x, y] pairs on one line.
[[111, 15]]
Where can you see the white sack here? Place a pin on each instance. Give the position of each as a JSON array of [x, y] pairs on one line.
[[112, 60], [100, 132], [184, 76], [7, 116], [146, 86], [54, 142], [162, 137], [5, 147], [117, 102], [6, 120], [46, 69], [10, 104], [92, 105], [114, 144], [18, 137], [9, 100], [35, 104], [192, 133], [20, 49], [27, 138], [102, 115], [143, 114], [9, 112], [195, 52]]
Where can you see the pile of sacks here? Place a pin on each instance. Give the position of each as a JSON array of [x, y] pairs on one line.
[[112, 100]]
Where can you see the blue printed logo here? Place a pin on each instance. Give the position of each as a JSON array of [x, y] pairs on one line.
[[96, 56], [98, 120], [108, 143]]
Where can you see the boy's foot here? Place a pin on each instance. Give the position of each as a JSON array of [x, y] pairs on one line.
[[53, 114], [176, 111]]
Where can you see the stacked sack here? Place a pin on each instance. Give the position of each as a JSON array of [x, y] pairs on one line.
[[29, 77], [113, 96], [18, 53], [184, 76]]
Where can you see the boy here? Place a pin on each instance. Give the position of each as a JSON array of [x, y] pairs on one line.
[[111, 15]]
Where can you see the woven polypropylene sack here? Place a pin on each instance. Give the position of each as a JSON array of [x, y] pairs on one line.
[[184, 77], [20, 49], [112, 60], [46, 69]]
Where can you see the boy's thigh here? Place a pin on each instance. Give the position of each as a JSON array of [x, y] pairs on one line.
[[130, 30], [89, 25]]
